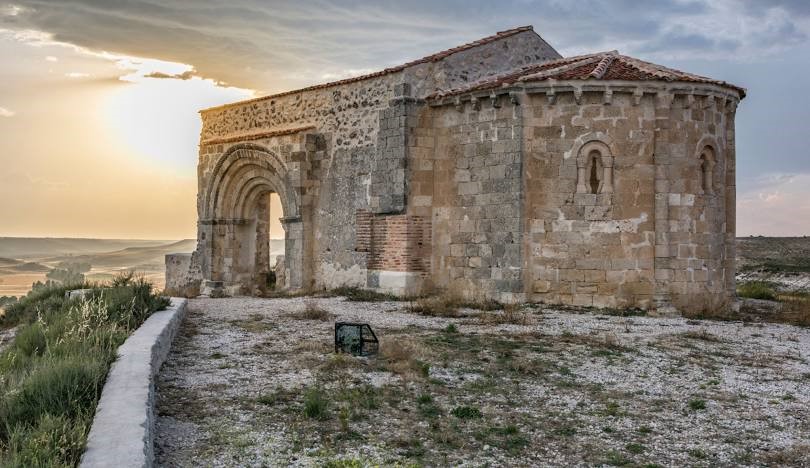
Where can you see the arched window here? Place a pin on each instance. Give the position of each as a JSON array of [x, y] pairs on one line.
[[594, 169], [707, 163]]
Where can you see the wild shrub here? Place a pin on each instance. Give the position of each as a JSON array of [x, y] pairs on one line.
[[312, 311], [401, 356], [52, 374], [466, 412], [436, 306], [757, 290]]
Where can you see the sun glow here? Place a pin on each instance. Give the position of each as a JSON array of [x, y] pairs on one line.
[[157, 117]]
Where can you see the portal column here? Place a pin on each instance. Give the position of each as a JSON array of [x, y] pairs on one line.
[[293, 253]]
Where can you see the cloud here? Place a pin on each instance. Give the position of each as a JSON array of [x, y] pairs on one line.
[[6, 113], [51, 58], [77, 75], [776, 206], [277, 45], [186, 75]]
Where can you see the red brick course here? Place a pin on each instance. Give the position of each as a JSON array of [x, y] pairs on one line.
[[394, 242]]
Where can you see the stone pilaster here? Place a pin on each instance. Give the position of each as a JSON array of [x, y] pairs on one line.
[[662, 159]]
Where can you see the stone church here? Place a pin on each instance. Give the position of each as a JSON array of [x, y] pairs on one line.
[[495, 169]]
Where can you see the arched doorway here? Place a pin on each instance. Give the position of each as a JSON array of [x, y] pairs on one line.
[[238, 202]]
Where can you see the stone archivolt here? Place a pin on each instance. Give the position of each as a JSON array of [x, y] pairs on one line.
[[496, 169]]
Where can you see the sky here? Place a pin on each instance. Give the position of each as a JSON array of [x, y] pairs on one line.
[[99, 98]]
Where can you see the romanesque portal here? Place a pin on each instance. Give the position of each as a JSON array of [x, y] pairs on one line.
[[494, 169]]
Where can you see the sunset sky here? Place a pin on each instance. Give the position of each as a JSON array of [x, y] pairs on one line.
[[99, 98]]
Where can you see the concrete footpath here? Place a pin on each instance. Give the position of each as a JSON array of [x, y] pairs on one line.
[[123, 432]]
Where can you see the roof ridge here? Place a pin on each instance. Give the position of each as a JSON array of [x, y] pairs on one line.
[[599, 71], [515, 72], [435, 57], [577, 62], [578, 68]]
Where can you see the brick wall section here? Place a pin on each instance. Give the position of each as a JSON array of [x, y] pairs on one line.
[[394, 242], [363, 226]]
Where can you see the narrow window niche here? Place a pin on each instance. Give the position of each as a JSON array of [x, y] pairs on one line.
[[707, 162], [594, 169]]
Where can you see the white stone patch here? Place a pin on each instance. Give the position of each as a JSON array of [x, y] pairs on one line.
[[622, 225], [333, 277]]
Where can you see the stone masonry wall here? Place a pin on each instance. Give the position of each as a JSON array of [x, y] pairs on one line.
[[470, 183], [365, 128], [694, 261], [583, 248]]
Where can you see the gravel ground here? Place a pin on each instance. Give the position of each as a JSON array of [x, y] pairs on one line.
[[251, 382]]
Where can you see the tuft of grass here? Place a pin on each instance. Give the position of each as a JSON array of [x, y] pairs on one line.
[[451, 328], [635, 448], [316, 404], [466, 412], [757, 290], [697, 404]]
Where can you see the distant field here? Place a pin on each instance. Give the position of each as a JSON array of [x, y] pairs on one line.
[[18, 284], [25, 261]]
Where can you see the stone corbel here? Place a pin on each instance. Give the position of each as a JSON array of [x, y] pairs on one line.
[[578, 96], [493, 99], [731, 106], [637, 95], [689, 102], [476, 104], [721, 103], [551, 96], [708, 102], [458, 104], [513, 98], [608, 99], [663, 100]]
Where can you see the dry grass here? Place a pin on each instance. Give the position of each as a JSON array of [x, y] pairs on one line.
[[436, 306], [795, 310], [448, 305], [312, 311], [401, 356], [512, 314], [703, 335]]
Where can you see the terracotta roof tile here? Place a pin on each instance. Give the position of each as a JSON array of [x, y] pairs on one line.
[[601, 66], [430, 58]]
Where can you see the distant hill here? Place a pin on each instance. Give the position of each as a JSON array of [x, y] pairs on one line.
[[131, 257], [774, 254], [35, 247]]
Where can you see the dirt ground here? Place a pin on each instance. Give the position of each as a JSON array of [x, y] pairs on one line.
[[254, 382]]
